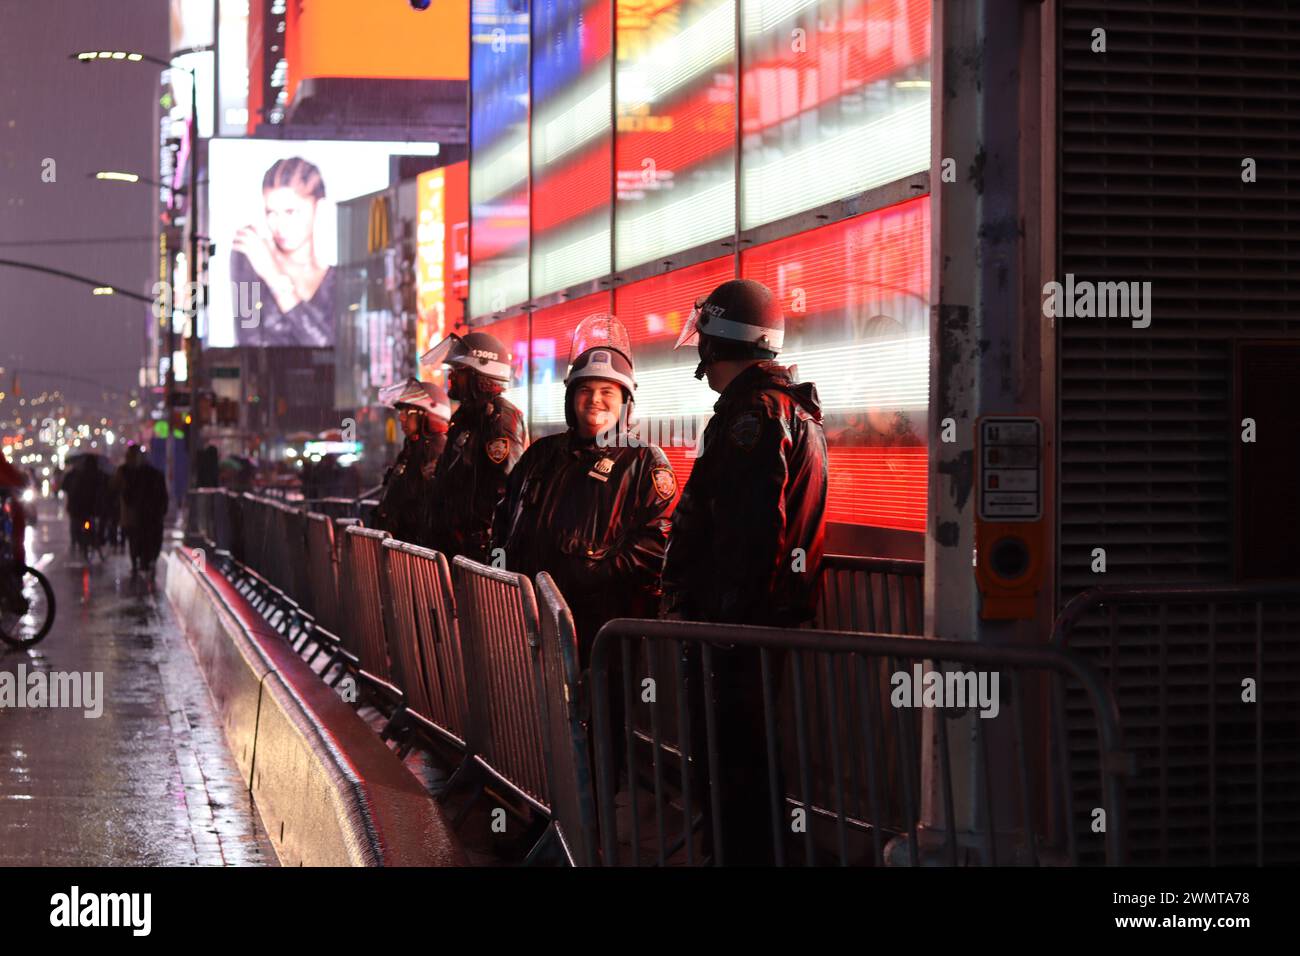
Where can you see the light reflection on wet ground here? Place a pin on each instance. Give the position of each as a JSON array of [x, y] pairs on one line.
[[150, 782]]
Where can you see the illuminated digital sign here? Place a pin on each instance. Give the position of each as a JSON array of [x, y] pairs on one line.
[[674, 149], [835, 101], [498, 164], [571, 143]]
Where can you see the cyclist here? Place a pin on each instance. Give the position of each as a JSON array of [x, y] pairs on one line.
[[13, 481]]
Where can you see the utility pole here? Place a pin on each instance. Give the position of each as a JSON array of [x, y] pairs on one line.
[[988, 342]]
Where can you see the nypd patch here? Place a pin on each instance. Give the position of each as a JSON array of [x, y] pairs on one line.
[[498, 449], [744, 431], [665, 482]]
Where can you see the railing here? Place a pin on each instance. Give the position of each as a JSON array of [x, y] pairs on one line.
[[719, 735], [1190, 668], [423, 634], [500, 629], [463, 659]]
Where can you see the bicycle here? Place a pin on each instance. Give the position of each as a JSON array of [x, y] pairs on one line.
[[26, 597]]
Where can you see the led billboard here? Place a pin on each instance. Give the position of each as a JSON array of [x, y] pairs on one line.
[[674, 152], [571, 143], [498, 141], [440, 256], [835, 100], [273, 221]]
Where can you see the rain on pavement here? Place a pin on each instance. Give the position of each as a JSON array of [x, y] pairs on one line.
[[149, 782]]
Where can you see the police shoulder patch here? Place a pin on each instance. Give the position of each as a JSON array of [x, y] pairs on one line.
[[498, 449], [744, 431], [665, 482]]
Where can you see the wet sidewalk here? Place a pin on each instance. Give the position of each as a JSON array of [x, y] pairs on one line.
[[150, 781]]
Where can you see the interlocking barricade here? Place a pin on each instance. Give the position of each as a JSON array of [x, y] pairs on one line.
[[499, 630], [322, 564], [876, 595], [423, 639], [256, 513], [201, 524], [222, 526], [360, 590], [1207, 681], [237, 513], [572, 787], [297, 573], [987, 800]]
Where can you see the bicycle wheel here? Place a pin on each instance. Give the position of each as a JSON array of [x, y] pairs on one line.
[[26, 608]]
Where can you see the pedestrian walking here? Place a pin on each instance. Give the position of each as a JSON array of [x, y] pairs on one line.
[[144, 503]]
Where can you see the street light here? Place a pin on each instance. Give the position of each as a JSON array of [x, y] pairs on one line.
[[194, 360]]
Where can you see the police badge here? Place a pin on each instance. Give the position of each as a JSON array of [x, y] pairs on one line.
[[665, 482], [498, 449]]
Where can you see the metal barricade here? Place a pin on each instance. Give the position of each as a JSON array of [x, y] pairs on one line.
[[572, 791], [322, 569], [877, 595], [499, 629], [221, 521], [1208, 691], [424, 639], [297, 580], [362, 600], [687, 824]]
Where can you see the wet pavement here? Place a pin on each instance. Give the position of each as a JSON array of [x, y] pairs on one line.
[[150, 781]]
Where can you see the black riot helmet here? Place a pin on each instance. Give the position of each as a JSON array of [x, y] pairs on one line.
[[740, 319], [600, 349], [480, 352]]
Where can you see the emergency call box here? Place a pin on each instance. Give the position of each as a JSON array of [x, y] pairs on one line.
[[1009, 536]]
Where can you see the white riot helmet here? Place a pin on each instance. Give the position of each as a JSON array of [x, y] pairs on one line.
[[425, 396], [600, 349]]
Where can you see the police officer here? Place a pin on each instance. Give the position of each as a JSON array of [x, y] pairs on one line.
[[486, 438], [589, 505], [747, 536], [406, 503]]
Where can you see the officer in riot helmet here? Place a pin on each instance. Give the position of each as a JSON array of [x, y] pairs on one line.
[[406, 503], [748, 534], [486, 438], [589, 505]]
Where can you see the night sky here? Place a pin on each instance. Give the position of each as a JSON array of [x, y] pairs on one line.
[[86, 117]]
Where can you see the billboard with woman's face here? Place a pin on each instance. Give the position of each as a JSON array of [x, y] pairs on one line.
[[273, 219]]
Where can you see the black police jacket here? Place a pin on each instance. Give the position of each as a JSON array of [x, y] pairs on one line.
[[406, 504], [594, 518], [485, 440], [748, 535]]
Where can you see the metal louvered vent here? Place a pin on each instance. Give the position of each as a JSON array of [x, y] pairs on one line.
[[1153, 135], [1217, 777]]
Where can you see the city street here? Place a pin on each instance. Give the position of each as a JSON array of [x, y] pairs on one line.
[[150, 781]]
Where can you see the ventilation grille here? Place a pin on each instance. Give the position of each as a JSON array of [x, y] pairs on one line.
[[1153, 133], [1218, 777]]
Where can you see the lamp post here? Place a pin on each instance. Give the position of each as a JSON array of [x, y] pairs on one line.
[[194, 354]]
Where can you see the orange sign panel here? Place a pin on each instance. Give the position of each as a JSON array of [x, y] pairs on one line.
[[390, 40]]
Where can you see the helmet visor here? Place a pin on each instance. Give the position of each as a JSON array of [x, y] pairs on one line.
[[390, 395], [600, 331], [437, 356], [691, 329]]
